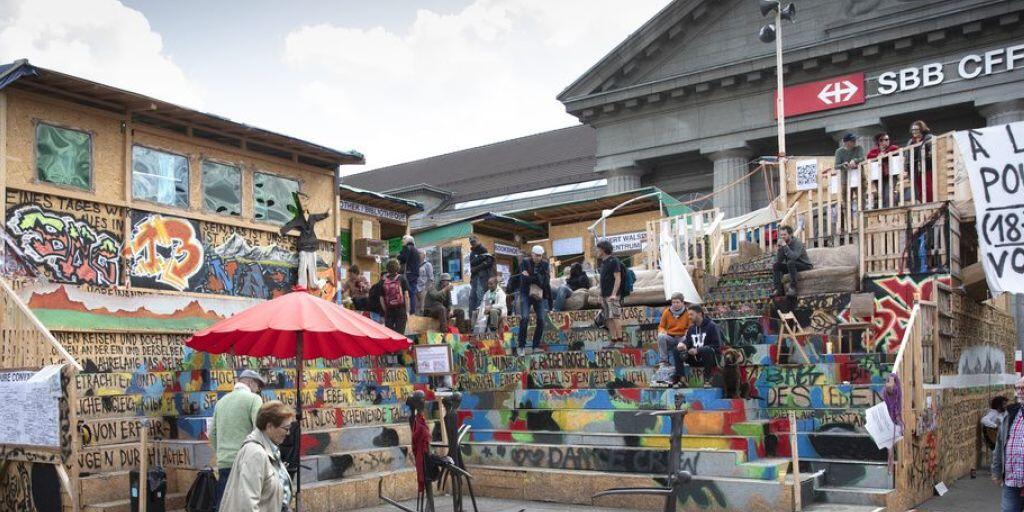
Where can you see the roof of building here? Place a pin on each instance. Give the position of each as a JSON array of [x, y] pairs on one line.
[[488, 223], [168, 116], [639, 200], [380, 200], [545, 159]]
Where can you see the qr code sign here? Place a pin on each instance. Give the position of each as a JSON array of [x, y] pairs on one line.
[[807, 175]]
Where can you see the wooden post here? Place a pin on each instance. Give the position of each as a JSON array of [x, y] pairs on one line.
[[3, 164], [143, 464], [797, 499]]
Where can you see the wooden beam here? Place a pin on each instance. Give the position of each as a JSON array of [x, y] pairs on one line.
[[3, 165], [127, 139]]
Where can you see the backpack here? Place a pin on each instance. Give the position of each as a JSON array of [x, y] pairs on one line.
[[393, 297], [201, 495], [627, 283]]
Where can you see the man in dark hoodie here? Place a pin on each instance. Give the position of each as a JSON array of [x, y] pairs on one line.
[[410, 260], [791, 258], [700, 346], [481, 269], [306, 244]]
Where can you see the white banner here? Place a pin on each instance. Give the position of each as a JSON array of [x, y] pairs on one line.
[[627, 242], [373, 211], [994, 158]]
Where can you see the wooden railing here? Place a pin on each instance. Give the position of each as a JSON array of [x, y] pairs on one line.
[[920, 238], [692, 235], [24, 341], [916, 364]]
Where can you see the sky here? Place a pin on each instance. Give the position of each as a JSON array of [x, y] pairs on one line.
[[397, 80]]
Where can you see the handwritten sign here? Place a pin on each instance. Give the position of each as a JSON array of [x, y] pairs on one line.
[[373, 211], [994, 158], [807, 175], [880, 426], [29, 411], [433, 359]]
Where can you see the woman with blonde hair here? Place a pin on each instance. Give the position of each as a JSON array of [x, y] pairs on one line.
[[259, 479]]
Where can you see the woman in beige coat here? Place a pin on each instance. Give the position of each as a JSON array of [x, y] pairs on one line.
[[259, 480]]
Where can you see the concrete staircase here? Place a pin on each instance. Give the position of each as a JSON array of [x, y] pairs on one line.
[[575, 420], [355, 429]]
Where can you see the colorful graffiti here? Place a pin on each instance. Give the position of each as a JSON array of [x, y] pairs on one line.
[[236, 267], [163, 252], [69, 249]]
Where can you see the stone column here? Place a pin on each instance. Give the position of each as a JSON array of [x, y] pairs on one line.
[[623, 179], [731, 165], [1003, 112], [996, 114]]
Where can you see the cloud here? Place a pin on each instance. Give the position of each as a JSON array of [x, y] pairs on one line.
[[101, 40], [450, 81]]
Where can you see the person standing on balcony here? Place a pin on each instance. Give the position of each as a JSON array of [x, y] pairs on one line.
[[481, 269], [234, 418], [409, 259], [790, 258], [675, 322], [613, 273], [921, 154], [887, 189], [1008, 457], [848, 156], [438, 302]]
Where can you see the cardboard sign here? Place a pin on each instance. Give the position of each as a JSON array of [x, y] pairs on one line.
[[994, 159], [433, 359]]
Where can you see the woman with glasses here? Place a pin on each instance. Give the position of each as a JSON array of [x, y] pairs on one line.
[[887, 190], [259, 480]]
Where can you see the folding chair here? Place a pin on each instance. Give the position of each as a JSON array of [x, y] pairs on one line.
[[790, 329]]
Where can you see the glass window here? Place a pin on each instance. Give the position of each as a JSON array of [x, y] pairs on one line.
[[222, 188], [63, 157], [159, 177], [273, 197]]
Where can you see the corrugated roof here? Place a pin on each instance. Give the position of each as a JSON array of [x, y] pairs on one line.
[[406, 205], [536, 161]]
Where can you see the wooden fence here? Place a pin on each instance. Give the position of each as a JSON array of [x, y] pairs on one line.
[[920, 238]]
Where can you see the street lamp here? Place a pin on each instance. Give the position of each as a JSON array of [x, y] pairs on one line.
[[773, 33]]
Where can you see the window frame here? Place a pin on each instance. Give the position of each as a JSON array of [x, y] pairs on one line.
[[35, 155], [255, 204], [188, 174], [241, 187]]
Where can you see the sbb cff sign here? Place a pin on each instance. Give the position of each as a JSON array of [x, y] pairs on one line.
[[828, 94]]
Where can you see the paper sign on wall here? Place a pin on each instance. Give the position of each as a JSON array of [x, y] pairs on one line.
[[876, 171], [994, 158], [833, 185], [855, 178], [806, 174], [895, 165], [433, 359], [29, 407], [880, 426]]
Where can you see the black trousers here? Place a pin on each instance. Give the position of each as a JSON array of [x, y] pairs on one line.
[[395, 319], [792, 267], [706, 358]]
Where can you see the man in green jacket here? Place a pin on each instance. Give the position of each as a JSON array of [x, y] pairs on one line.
[[234, 418]]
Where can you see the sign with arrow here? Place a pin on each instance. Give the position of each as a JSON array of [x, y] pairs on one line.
[[828, 94]]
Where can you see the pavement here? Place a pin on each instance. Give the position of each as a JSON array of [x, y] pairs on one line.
[[977, 494], [444, 504]]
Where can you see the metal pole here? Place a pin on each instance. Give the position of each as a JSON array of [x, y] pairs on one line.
[[336, 207], [298, 413], [797, 498], [780, 102]]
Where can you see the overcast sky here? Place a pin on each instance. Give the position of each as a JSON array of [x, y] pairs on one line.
[[395, 79]]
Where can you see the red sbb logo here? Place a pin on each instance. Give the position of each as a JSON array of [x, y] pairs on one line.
[[832, 93]]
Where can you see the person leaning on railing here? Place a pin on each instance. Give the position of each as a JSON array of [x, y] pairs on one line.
[[848, 156], [883, 146]]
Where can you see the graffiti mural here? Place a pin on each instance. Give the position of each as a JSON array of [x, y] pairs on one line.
[[163, 252], [68, 248]]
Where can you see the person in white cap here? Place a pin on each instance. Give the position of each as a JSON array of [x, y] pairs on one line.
[[410, 260], [234, 417], [534, 291]]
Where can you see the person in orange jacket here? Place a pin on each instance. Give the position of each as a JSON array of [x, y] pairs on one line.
[[672, 328]]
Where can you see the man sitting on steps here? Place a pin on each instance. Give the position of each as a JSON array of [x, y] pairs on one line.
[[699, 348], [792, 258]]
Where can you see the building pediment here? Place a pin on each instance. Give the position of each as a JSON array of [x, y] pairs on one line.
[[682, 50]]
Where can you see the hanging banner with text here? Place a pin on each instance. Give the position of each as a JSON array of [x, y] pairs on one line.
[[994, 158]]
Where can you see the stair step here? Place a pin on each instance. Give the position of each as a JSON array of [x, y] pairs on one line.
[[837, 507], [171, 502], [754, 446], [852, 496], [355, 462], [849, 474]]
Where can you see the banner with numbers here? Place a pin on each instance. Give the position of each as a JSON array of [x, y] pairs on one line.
[[994, 159]]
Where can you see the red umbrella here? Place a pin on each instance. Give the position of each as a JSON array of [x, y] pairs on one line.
[[302, 326]]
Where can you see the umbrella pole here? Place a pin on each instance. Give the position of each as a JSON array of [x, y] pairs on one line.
[[299, 370]]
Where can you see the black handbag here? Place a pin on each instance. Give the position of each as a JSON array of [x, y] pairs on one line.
[[202, 495]]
